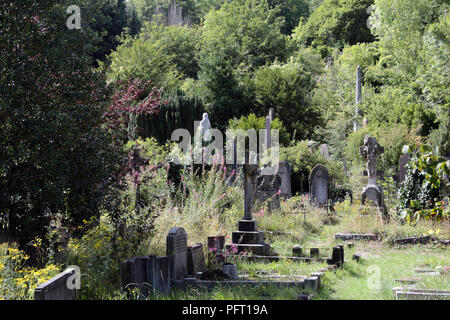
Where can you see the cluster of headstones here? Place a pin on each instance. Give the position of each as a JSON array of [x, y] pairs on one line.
[[155, 275]]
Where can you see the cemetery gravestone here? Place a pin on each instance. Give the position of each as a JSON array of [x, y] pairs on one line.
[[284, 172], [372, 192], [149, 274], [57, 287], [139, 275], [158, 276], [324, 151], [248, 238], [195, 259], [402, 166], [176, 246], [318, 185]]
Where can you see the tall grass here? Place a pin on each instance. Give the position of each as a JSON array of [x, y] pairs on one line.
[[204, 205]]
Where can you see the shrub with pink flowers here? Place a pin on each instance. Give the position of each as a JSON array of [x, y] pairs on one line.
[[216, 257]]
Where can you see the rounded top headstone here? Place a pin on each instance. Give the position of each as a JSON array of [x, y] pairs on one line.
[[177, 231]]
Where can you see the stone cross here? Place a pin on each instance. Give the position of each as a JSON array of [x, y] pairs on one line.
[[250, 175], [357, 97], [370, 151], [235, 162], [271, 114], [268, 136]]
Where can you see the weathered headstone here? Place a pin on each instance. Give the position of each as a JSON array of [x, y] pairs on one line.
[[176, 248], [336, 256], [149, 274], [57, 288], [284, 172], [195, 259], [402, 162], [372, 192], [420, 294], [158, 275], [324, 151], [139, 275], [318, 185], [297, 251]]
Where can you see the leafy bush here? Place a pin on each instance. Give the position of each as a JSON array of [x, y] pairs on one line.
[[391, 137], [180, 110], [16, 281], [336, 23], [204, 205], [426, 184], [286, 88], [259, 123]]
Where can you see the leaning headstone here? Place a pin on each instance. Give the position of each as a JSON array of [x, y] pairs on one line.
[[176, 248], [372, 192], [284, 172], [404, 159], [195, 259], [318, 185], [57, 288]]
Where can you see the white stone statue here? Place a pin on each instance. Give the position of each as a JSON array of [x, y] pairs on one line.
[[204, 127]]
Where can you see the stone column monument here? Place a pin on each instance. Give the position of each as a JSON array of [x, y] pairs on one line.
[[372, 192]]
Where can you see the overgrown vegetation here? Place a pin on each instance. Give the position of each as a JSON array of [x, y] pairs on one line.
[[87, 172]]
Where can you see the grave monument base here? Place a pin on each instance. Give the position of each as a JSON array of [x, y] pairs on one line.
[[248, 238]]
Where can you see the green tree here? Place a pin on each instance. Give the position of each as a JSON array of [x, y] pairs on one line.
[[287, 88], [335, 23], [291, 11], [164, 54], [236, 39], [109, 23], [55, 155]]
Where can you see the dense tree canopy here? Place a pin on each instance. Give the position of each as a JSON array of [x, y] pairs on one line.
[[234, 60], [55, 156], [336, 23], [236, 39], [164, 54]]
